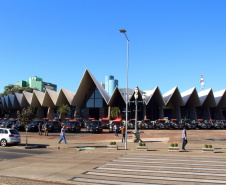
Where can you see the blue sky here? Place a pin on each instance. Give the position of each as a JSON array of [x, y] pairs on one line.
[[172, 42]]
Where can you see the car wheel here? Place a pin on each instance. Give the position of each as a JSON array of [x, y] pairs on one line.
[[3, 142]]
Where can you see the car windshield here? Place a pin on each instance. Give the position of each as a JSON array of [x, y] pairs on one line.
[[105, 121], [52, 123], [74, 123], [94, 124], [161, 121], [14, 132]]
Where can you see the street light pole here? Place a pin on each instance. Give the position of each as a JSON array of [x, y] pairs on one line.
[[124, 31]]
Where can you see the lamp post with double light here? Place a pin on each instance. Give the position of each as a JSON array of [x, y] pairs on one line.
[[124, 31], [136, 133]]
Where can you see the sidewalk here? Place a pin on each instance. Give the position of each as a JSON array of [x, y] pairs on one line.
[[157, 141]]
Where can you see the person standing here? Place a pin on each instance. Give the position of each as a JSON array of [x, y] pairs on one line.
[[184, 138], [123, 133], [46, 129], [62, 134], [40, 128], [116, 130]]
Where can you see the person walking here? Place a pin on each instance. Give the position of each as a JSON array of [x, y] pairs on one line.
[[123, 133], [46, 129], [62, 134], [40, 128], [184, 138]]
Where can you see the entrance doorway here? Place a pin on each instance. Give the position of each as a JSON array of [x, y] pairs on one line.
[[94, 113]]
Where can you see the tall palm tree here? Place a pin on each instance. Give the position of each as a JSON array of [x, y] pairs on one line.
[[63, 111], [115, 112]]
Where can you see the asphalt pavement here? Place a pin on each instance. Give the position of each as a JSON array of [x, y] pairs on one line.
[[86, 159]]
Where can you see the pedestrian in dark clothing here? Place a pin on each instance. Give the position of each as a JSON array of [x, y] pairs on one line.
[[184, 138], [62, 134], [40, 128], [116, 130], [123, 133], [46, 129]]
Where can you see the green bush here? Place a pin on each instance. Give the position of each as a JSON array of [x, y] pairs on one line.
[[205, 146], [140, 144], [210, 146], [172, 145], [143, 144], [176, 145], [112, 143]]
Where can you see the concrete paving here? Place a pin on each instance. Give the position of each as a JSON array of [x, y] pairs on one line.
[[93, 163]]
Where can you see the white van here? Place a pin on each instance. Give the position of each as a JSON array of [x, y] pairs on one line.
[[9, 136]]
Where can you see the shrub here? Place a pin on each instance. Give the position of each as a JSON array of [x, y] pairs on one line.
[[205, 146], [143, 144], [210, 146], [140, 144], [112, 143], [172, 145], [176, 145]]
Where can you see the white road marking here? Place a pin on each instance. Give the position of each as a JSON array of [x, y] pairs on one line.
[[163, 172], [150, 159], [148, 162], [158, 178], [168, 167], [100, 181]]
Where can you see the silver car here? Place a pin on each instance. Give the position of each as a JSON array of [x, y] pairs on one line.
[[9, 136]]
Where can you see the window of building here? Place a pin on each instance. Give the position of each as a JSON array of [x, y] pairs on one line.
[[95, 101]]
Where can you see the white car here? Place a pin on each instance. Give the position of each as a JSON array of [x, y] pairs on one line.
[[9, 136]]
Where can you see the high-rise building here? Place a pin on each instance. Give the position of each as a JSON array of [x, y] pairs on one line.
[[36, 82]]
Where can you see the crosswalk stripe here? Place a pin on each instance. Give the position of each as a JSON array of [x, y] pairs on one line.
[[102, 181], [163, 172], [151, 159], [158, 178], [167, 167], [148, 162], [174, 157]]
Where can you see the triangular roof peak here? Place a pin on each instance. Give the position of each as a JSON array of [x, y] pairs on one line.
[[150, 93], [191, 95], [28, 96], [65, 97], [87, 80], [220, 98], [207, 94], [37, 98]]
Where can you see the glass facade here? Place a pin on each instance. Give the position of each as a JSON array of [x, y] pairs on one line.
[[95, 101]]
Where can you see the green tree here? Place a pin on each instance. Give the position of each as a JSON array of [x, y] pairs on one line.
[[115, 112], [25, 116], [12, 89], [63, 111]]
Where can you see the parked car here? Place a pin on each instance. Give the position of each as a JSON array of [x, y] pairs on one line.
[[147, 124], [8, 123], [162, 124], [86, 122], [54, 126], [105, 122], [208, 124], [201, 124], [94, 126], [33, 126], [9, 136], [17, 126], [131, 124], [117, 121], [73, 126], [174, 123], [217, 124], [81, 122], [190, 124]]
